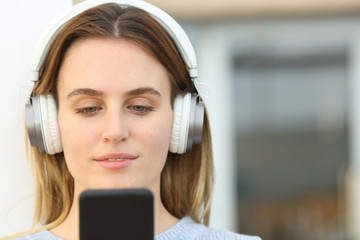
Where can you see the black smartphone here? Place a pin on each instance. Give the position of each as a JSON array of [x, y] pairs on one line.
[[116, 214]]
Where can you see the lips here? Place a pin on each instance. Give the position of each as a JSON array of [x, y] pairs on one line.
[[116, 160], [116, 157]]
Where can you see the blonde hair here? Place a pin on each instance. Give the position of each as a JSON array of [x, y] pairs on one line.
[[187, 179]]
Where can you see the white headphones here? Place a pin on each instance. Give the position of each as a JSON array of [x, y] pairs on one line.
[[41, 112]]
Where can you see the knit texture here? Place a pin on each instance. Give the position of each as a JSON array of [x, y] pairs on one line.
[[185, 229]]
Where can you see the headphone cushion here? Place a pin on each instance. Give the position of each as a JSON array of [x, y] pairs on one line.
[[175, 134], [179, 135], [50, 129]]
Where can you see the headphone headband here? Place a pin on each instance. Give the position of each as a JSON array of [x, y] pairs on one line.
[[171, 26]]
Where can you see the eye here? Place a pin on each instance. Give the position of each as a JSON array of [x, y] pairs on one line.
[[140, 109], [88, 111]]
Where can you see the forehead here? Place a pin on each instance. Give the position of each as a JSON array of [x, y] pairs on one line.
[[95, 62]]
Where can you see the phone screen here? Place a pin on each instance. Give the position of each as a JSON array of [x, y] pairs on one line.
[[116, 214]]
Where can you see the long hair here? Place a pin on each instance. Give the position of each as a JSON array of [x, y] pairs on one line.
[[186, 180]]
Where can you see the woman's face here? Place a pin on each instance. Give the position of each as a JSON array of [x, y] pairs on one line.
[[114, 115]]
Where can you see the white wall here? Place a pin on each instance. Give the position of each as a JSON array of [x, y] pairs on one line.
[[21, 23]]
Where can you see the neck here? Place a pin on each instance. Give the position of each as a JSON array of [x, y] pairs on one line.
[[69, 228], [163, 220]]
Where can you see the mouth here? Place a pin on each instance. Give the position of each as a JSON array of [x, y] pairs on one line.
[[116, 160]]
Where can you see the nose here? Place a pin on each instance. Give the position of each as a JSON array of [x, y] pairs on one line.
[[114, 127]]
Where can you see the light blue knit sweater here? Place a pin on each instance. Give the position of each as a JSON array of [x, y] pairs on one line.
[[185, 229]]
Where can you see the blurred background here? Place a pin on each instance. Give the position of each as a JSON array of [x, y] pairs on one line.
[[282, 80]]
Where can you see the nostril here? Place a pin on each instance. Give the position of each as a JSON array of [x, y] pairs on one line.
[[113, 139]]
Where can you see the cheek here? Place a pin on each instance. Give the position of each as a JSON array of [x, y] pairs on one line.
[[157, 135], [73, 133]]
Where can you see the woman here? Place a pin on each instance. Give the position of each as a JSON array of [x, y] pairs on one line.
[[116, 77]]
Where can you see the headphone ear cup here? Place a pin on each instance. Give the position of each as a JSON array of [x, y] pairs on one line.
[[41, 122], [180, 129], [188, 123]]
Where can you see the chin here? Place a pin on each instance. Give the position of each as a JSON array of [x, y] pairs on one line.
[[114, 185]]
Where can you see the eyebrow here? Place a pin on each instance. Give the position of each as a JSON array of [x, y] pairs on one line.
[[84, 91], [96, 93], [142, 91]]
